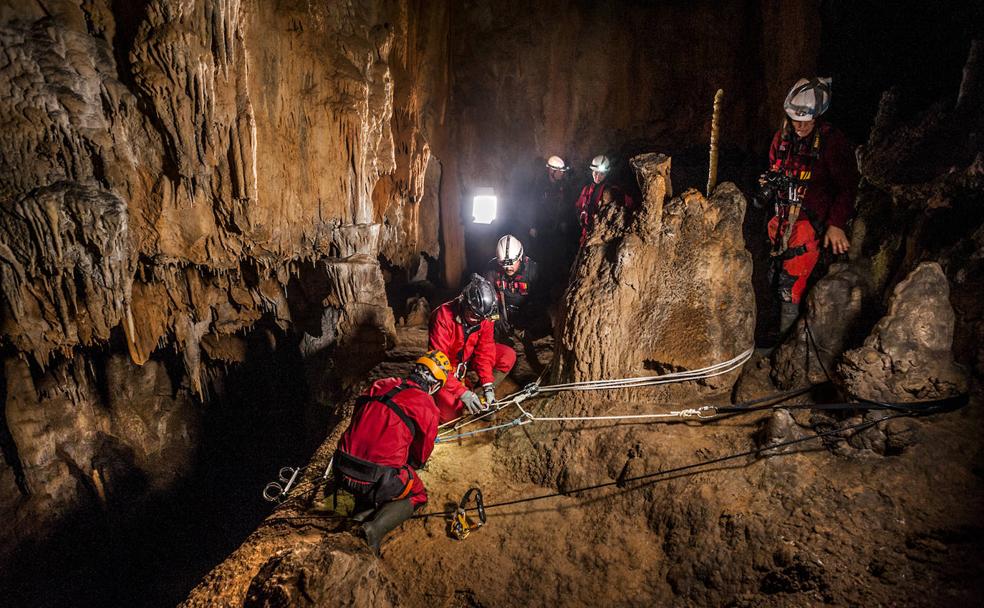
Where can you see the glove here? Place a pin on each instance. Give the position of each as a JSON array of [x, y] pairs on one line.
[[471, 402], [489, 395]]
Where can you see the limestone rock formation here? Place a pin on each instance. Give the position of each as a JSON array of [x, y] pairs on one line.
[[173, 174], [319, 575], [908, 356], [663, 289], [834, 315], [92, 439], [921, 199]]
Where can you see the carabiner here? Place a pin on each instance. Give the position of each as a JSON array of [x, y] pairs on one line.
[[461, 524], [274, 491]]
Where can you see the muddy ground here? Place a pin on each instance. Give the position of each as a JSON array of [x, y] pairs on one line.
[[821, 524]]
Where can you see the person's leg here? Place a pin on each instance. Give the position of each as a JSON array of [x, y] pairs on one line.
[[362, 509], [394, 512], [505, 358], [796, 271], [388, 516]]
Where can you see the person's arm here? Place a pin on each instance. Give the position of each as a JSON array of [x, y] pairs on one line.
[[537, 295], [774, 151], [441, 337], [581, 206], [484, 356], [423, 442]]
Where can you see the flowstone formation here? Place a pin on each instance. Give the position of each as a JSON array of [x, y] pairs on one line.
[[664, 288], [174, 175]]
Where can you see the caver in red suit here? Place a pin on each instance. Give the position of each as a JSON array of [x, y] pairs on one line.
[[381, 435], [472, 344], [826, 172], [589, 204]]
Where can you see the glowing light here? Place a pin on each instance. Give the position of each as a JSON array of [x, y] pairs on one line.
[[484, 206]]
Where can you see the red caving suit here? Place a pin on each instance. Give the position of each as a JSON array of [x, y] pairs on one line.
[[378, 435], [477, 347], [589, 204], [826, 161]]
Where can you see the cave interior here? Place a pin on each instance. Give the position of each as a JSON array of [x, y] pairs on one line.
[[221, 220]]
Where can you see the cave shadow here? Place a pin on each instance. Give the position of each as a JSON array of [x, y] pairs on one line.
[[139, 549]]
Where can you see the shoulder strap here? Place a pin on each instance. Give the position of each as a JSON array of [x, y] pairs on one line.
[[387, 400], [466, 333]]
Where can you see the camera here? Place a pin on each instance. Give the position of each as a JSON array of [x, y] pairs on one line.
[[775, 182]]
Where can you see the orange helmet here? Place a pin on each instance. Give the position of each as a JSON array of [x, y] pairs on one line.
[[437, 363]]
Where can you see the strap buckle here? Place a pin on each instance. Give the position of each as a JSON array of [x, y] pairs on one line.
[[462, 525]]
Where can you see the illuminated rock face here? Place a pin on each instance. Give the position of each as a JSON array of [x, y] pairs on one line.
[[169, 173], [665, 288], [909, 354]]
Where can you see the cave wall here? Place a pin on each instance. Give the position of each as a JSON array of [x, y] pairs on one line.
[[171, 174]]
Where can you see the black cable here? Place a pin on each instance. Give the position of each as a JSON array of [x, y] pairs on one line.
[[945, 404], [687, 467]]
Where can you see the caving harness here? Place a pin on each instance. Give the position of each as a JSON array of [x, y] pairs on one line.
[[466, 331], [462, 525], [797, 168], [378, 483]]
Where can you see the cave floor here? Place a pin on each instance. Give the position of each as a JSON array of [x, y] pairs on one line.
[[796, 529], [849, 531]]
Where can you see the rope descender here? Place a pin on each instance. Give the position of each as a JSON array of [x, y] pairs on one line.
[[461, 524]]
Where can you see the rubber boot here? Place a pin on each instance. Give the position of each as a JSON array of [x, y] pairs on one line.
[[362, 509], [389, 516], [787, 317]]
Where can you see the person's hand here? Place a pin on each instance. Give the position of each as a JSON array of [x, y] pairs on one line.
[[489, 395], [836, 239], [471, 402], [762, 179]]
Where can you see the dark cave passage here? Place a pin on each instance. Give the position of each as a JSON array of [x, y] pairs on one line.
[[142, 548]]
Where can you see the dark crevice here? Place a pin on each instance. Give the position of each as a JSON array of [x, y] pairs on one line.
[[7, 444]]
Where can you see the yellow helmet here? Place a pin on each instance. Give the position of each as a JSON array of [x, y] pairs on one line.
[[437, 363]]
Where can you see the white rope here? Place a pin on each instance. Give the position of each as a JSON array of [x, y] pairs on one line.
[[526, 417], [696, 374], [688, 413]]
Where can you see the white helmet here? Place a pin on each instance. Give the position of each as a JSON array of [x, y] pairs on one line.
[[808, 99], [557, 164], [601, 164], [508, 250]]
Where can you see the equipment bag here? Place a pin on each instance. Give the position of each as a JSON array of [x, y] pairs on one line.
[[374, 482]]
